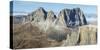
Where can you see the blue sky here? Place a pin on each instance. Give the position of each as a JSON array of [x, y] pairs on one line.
[[29, 6]]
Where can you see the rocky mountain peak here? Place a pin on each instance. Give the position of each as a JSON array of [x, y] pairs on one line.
[[66, 17], [39, 15], [50, 12], [41, 9], [71, 17], [51, 15]]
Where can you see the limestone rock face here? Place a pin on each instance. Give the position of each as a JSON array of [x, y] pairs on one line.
[[84, 35], [71, 17], [62, 17], [51, 16], [88, 34], [39, 15], [72, 38], [42, 18]]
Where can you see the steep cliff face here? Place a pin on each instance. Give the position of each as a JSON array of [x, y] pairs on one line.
[[88, 34], [39, 15], [50, 16], [84, 35], [63, 17], [71, 17]]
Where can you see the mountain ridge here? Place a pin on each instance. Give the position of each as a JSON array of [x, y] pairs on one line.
[[66, 17]]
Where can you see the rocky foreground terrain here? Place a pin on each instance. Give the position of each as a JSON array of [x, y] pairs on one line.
[[43, 28]]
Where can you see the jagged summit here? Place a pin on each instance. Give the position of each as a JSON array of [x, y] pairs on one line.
[[41, 9], [51, 16], [71, 17], [39, 15]]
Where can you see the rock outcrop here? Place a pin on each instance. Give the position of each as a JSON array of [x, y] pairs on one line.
[[39, 15], [88, 34], [71, 17], [84, 35], [72, 38], [50, 17]]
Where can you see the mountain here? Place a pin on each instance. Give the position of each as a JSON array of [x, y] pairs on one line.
[[51, 16], [38, 15], [42, 28], [71, 17], [67, 17]]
